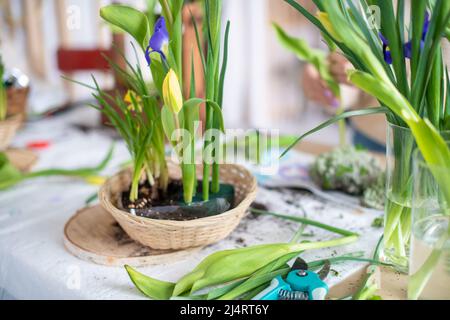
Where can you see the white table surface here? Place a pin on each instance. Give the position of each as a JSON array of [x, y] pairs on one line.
[[35, 265]]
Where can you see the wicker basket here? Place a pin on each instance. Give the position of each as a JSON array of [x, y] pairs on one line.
[[8, 129], [17, 101], [167, 234]]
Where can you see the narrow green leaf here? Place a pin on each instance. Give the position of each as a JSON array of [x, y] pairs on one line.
[[224, 66], [354, 59], [417, 22], [433, 94], [337, 118], [306, 221], [390, 30], [218, 113]]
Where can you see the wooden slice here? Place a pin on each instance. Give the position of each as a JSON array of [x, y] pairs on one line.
[[93, 235], [22, 159]]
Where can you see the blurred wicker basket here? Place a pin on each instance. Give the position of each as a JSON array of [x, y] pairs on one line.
[[167, 234], [17, 101], [8, 129]]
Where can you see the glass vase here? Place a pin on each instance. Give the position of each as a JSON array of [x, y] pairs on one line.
[[400, 146], [429, 274]]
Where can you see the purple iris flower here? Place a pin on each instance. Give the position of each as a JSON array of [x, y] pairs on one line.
[[407, 48], [386, 51], [408, 45], [159, 39]]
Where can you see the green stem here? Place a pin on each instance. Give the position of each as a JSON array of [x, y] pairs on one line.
[[298, 234], [419, 280], [307, 222], [134, 192], [206, 165], [393, 214], [167, 12], [319, 263], [215, 182], [342, 128]]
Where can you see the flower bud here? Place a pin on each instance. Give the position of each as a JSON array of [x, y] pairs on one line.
[[325, 20], [172, 95]]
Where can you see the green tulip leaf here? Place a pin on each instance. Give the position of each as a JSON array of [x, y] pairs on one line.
[[168, 122], [313, 56], [128, 19], [152, 288]]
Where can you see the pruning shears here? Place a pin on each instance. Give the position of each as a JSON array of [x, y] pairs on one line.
[[300, 284]]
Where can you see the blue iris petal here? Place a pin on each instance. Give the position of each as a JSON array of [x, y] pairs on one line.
[[159, 39], [407, 48], [387, 57], [386, 52], [426, 26], [383, 39]]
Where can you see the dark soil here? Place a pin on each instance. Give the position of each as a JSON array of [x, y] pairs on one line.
[[156, 204]]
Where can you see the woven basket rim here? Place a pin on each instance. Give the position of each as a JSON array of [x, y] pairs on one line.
[[243, 204], [13, 119]]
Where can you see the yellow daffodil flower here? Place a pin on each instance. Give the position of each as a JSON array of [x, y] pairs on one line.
[[129, 99]]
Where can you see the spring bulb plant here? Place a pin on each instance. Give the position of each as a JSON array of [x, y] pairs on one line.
[[3, 96], [148, 124], [381, 54]]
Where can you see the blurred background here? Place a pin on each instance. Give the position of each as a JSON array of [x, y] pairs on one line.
[[48, 39]]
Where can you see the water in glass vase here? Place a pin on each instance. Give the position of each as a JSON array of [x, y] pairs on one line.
[[397, 234], [430, 259]]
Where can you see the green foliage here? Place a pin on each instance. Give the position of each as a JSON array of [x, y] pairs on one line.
[[419, 101], [128, 19], [317, 58], [152, 288], [11, 176], [374, 79], [137, 120], [337, 118], [243, 272], [165, 123], [214, 73]]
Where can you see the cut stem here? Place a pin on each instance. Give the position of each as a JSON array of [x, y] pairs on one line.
[[307, 222]]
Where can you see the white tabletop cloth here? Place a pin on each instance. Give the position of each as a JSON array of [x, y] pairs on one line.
[[35, 265]]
